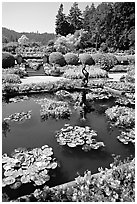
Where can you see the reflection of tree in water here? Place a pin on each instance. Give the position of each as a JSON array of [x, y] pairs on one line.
[[5, 128]]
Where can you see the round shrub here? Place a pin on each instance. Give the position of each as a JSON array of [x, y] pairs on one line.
[[57, 58], [8, 60], [71, 59], [105, 61], [86, 59]]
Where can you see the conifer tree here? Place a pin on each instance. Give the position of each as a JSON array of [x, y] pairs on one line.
[[62, 26], [75, 17]]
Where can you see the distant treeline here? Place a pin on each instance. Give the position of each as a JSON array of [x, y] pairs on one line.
[[13, 36]]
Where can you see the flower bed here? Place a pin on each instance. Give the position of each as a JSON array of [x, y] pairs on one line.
[[121, 86], [94, 72], [54, 109], [78, 136], [10, 78], [121, 116], [18, 71], [27, 166]]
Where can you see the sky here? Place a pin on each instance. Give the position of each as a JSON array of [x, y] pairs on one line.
[[35, 16]]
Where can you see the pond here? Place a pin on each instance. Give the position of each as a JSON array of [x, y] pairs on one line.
[[36, 133]]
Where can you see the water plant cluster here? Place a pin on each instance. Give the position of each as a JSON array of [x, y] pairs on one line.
[[25, 166], [121, 116], [16, 117], [78, 136], [18, 99], [128, 136], [54, 109]]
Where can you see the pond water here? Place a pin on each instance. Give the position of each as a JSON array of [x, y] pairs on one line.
[[36, 133]]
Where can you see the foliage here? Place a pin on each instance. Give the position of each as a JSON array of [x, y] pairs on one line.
[[86, 59], [120, 68], [128, 136], [104, 47], [8, 60], [54, 109], [13, 36], [78, 136], [23, 40], [94, 72], [62, 25], [18, 71], [10, 78], [21, 168], [116, 184], [105, 61], [19, 58], [121, 116], [18, 116], [57, 58], [71, 59], [130, 77], [121, 86]]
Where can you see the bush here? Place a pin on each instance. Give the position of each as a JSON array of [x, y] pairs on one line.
[[86, 59], [10, 78], [71, 59], [8, 60], [21, 73], [131, 59], [57, 58], [105, 61], [19, 59], [104, 47], [122, 60]]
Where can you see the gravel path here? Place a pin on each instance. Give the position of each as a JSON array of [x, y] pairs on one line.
[[38, 79], [116, 76]]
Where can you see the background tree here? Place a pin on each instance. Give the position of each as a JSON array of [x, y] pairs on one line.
[[62, 25], [75, 17]]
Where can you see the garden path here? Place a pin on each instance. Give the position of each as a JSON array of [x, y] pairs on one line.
[[38, 79]]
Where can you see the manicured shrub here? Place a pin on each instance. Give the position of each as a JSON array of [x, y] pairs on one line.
[[86, 59], [8, 60], [57, 58], [10, 78], [105, 61], [71, 59]]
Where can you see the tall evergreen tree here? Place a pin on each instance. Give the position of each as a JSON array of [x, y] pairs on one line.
[[75, 17], [62, 25], [87, 16]]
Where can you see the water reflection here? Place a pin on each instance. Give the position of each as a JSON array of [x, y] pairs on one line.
[[5, 128]]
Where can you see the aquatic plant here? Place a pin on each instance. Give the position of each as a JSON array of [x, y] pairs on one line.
[[127, 136], [121, 116], [78, 136], [54, 109], [18, 99], [25, 166], [16, 117]]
